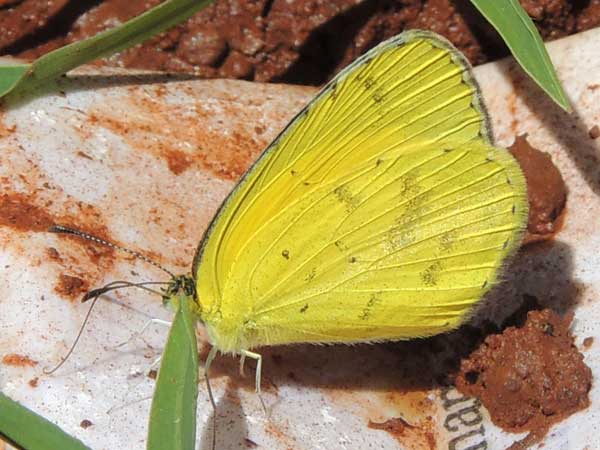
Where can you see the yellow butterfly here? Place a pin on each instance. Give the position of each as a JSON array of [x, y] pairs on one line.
[[381, 212]]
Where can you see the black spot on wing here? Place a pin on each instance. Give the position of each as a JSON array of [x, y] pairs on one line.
[[341, 246], [311, 275], [369, 82], [378, 96], [429, 276], [447, 240], [345, 196], [373, 301]]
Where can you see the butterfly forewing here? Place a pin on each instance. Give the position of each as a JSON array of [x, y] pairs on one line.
[[383, 199]]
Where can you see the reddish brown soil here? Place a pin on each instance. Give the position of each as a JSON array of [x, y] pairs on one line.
[[85, 423], [304, 41], [546, 190], [33, 212], [71, 287], [529, 377], [13, 359], [17, 212]]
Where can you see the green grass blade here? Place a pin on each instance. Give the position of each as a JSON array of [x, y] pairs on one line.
[[10, 75], [518, 31], [27, 430], [60, 61], [173, 413]]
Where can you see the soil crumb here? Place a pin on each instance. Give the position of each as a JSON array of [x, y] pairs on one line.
[[530, 377], [249, 443], [419, 435], [13, 359], [85, 423], [546, 190], [70, 286], [396, 425], [33, 382]]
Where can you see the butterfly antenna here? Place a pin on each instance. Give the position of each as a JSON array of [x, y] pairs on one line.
[[114, 285], [72, 231], [95, 294], [85, 321]]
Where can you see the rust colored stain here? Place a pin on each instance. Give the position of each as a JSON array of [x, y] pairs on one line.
[[396, 426], [22, 213], [512, 111], [95, 252], [18, 212], [178, 161], [173, 133], [160, 90], [7, 131], [14, 359], [412, 424], [420, 436], [33, 382], [53, 254], [33, 213], [71, 287], [279, 434], [588, 342]]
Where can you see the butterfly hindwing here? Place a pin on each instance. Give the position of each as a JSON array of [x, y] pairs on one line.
[[398, 249]]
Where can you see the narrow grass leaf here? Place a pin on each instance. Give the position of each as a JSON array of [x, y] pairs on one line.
[[10, 75], [60, 61], [522, 38], [173, 413], [25, 429]]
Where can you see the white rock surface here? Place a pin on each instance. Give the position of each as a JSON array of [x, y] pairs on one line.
[[145, 160]]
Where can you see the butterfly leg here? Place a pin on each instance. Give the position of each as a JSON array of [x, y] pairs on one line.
[[138, 333], [207, 364], [258, 358], [209, 360], [242, 361]]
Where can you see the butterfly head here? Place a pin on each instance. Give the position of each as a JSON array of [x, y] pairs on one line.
[[179, 285]]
